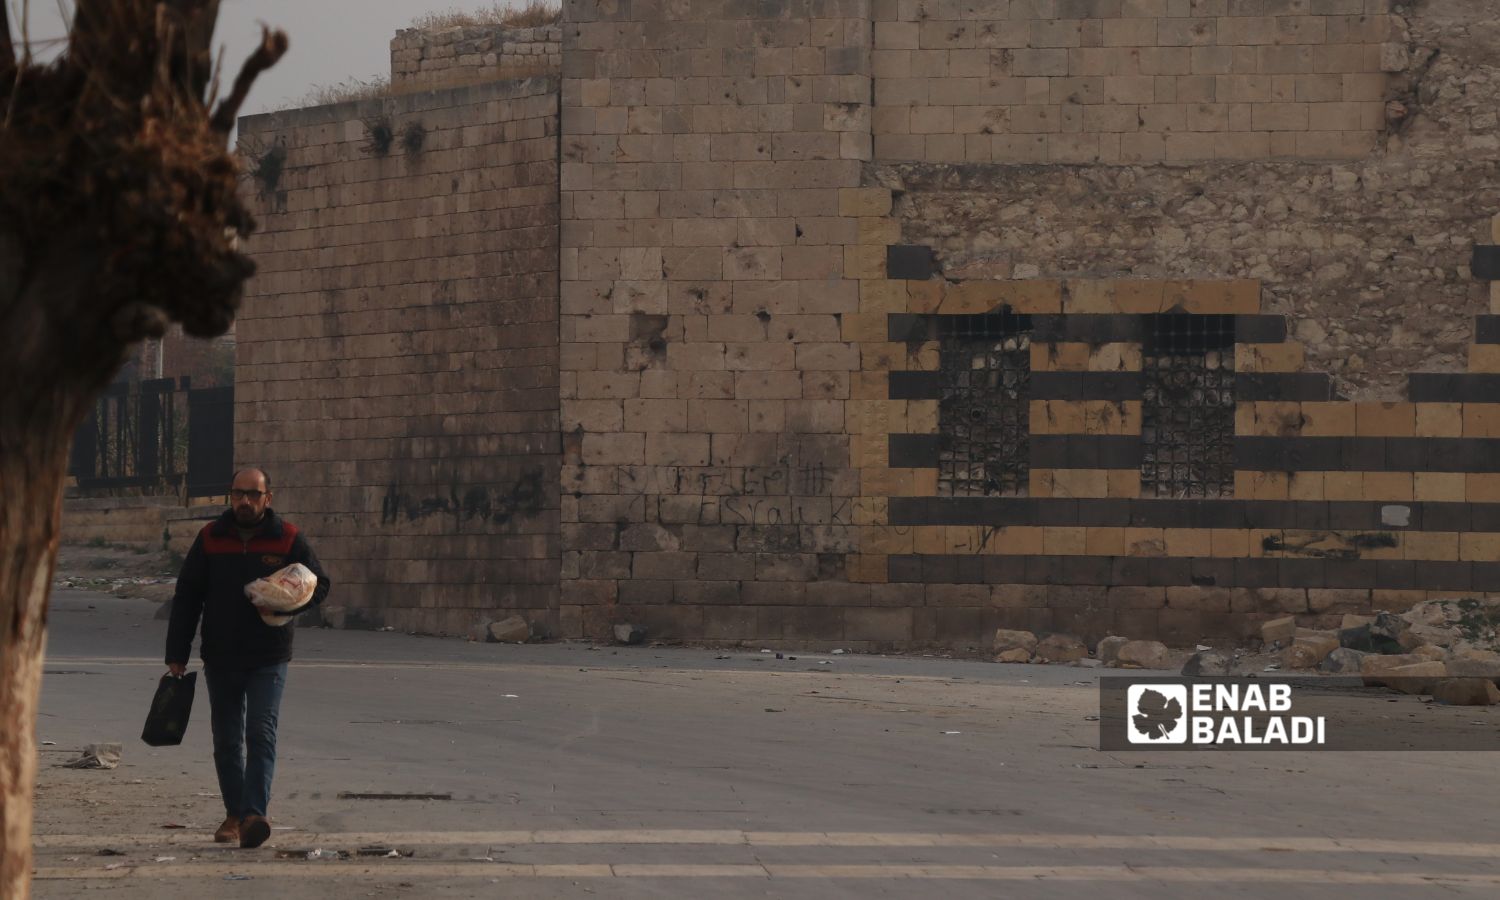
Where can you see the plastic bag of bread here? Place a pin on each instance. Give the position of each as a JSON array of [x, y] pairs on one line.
[[284, 590]]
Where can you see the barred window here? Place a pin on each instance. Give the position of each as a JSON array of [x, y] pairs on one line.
[[1187, 428], [984, 412]]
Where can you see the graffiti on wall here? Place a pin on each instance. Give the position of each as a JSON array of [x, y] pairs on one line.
[[471, 505]]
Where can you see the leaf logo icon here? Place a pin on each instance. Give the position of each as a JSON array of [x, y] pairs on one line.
[[1156, 715]]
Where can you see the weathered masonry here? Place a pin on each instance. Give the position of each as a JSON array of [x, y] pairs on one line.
[[890, 322]]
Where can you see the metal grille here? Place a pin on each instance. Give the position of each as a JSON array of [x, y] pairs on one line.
[[984, 413], [1187, 428], [157, 436]]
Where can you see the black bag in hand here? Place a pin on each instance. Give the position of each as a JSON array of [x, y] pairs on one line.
[[168, 720]]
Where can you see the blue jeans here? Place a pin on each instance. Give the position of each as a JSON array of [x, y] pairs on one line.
[[244, 706]]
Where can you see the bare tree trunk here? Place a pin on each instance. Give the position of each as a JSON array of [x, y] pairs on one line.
[[39, 410], [119, 214], [31, 483]]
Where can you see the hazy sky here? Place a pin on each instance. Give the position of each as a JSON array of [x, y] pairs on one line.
[[331, 40]]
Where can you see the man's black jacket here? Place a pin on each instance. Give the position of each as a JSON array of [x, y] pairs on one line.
[[212, 584]]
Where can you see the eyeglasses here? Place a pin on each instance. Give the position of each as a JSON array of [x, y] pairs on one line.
[[237, 494]]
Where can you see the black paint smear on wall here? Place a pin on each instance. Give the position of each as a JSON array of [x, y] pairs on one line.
[[475, 504]]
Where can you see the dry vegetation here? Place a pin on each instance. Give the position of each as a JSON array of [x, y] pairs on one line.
[[345, 92], [531, 14]]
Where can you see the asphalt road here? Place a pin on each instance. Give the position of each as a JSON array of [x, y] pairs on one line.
[[573, 771]]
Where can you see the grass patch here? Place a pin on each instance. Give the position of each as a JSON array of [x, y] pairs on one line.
[[531, 14]]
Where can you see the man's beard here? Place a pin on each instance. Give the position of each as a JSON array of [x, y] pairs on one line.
[[248, 518]]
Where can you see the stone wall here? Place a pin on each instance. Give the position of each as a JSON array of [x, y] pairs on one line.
[[143, 523], [1123, 81], [1368, 259], [770, 439], [819, 382], [708, 287], [397, 367], [423, 59]]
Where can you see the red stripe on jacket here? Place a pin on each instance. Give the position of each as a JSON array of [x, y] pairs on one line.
[[214, 544]]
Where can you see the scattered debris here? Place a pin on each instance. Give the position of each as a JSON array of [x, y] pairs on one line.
[[97, 756], [838, 652], [162, 859], [384, 852], [626, 633], [1208, 662], [108, 851]]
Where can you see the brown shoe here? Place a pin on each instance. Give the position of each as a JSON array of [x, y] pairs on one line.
[[254, 831], [229, 832]]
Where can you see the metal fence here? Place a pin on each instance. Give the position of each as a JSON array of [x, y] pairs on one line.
[[159, 436]]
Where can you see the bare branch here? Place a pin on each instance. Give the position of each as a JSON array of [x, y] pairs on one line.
[[201, 21], [7, 47], [273, 45]]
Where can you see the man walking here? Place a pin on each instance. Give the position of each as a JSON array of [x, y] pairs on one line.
[[244, 659]]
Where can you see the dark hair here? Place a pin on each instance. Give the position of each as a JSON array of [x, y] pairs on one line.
[[263, 474]]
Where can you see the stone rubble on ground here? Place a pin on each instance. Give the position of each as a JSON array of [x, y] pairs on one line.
[[1278, 632], [1007, 641], [1342, 661], [1308, 648], [626, 633], [1108, 650], [1449, 649], [1060, 648], [1144, 655], [1466, 692], [1208, 663], [512, 630]]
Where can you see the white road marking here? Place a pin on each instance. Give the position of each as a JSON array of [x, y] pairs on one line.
[[409, 871], [682, 837]]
